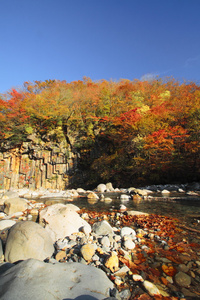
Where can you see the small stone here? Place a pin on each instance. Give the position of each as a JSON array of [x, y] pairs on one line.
[[87, 251], [151, 288], [183, 268], [86, 229], [129, 244], [170, 279], [105, 242], [118, 281], [61, 255], [188, 293], [183, 279], [95, 257], [127, 231], [112, 262], [137, 277], [122, 272], [125, 294]]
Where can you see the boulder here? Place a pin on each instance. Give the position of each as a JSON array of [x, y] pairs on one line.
[[13, 205], [6, 224], [28, 240], [60, 221], [33, 279], [109, 187], [9, 195], [101, 188]]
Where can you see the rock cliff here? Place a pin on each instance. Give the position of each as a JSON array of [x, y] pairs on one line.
[[37, 164]]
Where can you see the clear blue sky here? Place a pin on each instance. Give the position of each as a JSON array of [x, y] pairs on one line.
[[100, 39]]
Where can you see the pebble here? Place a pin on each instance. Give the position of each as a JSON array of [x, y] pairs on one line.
[[182, 279], [183, 268], [127, 231], [105, 242], [151, 288], [137, 277], [87, 251], [129, 244]]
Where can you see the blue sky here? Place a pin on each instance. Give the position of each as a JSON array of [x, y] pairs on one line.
[[100, 39]]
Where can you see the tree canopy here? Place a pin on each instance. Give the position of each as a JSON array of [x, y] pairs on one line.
[[125, 131]]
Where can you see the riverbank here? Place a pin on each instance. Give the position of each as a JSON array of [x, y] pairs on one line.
[[144, 256]]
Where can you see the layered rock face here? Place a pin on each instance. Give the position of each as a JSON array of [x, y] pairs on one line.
[[36, 165]]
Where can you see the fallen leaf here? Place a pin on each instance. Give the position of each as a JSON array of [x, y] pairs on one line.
[[169, 270]]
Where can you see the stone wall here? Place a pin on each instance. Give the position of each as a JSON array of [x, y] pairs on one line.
[[36, 167]]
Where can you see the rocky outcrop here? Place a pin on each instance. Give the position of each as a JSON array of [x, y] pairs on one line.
[[36, 164]]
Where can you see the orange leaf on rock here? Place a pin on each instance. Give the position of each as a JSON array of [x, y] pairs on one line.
[[169, 270]]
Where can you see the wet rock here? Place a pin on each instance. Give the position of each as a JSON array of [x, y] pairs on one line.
[[92, 196], [182, 279]]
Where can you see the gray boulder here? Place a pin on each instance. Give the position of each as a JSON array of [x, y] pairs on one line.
[[28, 240], [60, 221], [13, 205], [102, 228], [33, 279]]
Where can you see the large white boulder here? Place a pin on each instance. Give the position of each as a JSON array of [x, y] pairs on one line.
[[61, 220], [33, 279], [28, 240]]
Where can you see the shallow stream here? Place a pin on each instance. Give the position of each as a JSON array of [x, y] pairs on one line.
[[185, 208]]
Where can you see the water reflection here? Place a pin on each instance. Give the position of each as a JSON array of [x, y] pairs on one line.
[[181, 208]]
